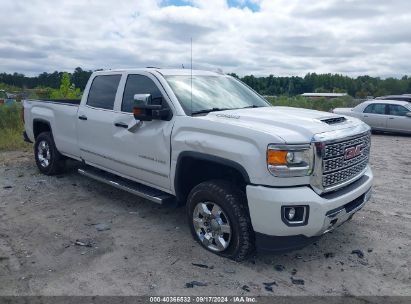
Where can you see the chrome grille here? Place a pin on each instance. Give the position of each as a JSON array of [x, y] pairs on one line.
[[336, 168], [336, 149]]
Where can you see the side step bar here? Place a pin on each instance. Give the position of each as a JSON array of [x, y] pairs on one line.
[[143, 191]]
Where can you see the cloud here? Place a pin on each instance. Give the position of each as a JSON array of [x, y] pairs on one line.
[[262, 37]]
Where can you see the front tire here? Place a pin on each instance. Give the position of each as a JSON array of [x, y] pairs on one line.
[[219, 220], [48, 158]]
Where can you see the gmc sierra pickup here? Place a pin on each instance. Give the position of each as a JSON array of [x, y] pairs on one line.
[[250, 174]]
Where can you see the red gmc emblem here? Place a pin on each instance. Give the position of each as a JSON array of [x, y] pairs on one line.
[[353, 151]]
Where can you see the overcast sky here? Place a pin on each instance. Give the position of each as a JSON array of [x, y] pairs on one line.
[[260, 37]]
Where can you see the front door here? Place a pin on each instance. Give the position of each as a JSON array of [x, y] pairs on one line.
[[143, 148]]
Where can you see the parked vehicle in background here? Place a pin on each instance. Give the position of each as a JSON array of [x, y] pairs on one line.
[[404, 97], [249, 174], [5, 98], [382, 115]]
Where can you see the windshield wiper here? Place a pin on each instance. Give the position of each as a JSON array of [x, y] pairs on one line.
[[209, 110], [252, 106], [222, 109]]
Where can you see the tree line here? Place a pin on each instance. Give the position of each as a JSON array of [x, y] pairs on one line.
[[53, 80], [359, 87]]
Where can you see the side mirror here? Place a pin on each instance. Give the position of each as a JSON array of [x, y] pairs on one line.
[[408, 114], [143, 110]]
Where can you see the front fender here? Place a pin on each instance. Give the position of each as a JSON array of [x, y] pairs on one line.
[[245, 148]]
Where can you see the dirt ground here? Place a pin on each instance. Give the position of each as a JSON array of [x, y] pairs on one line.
[[148, 249]]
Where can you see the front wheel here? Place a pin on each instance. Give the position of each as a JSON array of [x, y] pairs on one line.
[[48, 158], [219, 219]]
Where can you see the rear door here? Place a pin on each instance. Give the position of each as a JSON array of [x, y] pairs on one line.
[[375, 116], [95, 122], [397, 119]]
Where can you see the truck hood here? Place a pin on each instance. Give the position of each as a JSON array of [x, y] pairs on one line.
[[292, 125]]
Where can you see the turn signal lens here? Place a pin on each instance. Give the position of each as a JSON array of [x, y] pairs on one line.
[[137, 111], [276, 157]]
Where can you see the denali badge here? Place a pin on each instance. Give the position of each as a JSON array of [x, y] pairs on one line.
[[353, 151]]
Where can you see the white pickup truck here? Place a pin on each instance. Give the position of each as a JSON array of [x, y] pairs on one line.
[[251, 175]]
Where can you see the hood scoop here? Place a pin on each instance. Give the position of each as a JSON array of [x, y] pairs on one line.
[[334, 120]]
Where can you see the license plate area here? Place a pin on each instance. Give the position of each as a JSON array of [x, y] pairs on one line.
[[337, 217]]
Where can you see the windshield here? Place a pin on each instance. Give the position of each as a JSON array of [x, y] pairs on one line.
[[213, 93]]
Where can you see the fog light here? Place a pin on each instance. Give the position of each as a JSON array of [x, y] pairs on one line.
[[295, 215], [290, 213]]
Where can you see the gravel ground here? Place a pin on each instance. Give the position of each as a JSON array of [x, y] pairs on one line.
[[148, 249]]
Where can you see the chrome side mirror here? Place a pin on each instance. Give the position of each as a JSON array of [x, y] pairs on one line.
[[143, 99], [408, 114]]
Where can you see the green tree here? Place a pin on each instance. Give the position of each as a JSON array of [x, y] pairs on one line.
[[66, 90]]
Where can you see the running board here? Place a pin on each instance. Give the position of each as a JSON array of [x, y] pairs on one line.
[[135, 188]]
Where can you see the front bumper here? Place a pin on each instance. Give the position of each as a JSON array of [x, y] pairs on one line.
[[326, 212]]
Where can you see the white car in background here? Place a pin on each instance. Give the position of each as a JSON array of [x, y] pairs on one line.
[[382, 115]]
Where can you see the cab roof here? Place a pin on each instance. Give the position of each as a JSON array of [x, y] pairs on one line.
[[164, 72], [387, 101]]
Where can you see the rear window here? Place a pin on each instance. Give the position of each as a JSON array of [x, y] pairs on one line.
[[103, 91]]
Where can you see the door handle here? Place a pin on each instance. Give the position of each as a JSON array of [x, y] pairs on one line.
[[391, 118], [121, 125], [365, 115], [82, 117]]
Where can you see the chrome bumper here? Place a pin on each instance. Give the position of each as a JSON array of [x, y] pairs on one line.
[[336, 217]]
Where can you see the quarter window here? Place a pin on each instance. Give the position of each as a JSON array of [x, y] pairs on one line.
[[398, 110], [139, 84], [103, 91], [376, 108]]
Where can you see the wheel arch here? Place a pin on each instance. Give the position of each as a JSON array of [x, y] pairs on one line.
[[40, 125], [195, 167]]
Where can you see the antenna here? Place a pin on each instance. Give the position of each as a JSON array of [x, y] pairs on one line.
[[191, 75]]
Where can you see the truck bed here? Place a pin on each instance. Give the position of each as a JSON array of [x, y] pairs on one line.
[[61, 115]]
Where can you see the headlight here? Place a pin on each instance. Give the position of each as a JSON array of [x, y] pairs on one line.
[[290, 160]]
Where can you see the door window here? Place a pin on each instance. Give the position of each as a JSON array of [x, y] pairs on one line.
[[376, 108], [103, 91], [398, 110], [139, 84]]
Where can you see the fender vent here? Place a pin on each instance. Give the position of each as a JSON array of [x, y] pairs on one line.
[[334, 120]]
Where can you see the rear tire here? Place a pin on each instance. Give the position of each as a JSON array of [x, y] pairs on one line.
[[48, 158], [219, 219]]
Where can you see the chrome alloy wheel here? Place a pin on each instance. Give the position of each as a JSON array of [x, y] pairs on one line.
[[212, 226], [43, 153]]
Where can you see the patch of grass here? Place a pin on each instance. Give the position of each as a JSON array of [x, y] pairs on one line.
[[12, 139], [11, 129]]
